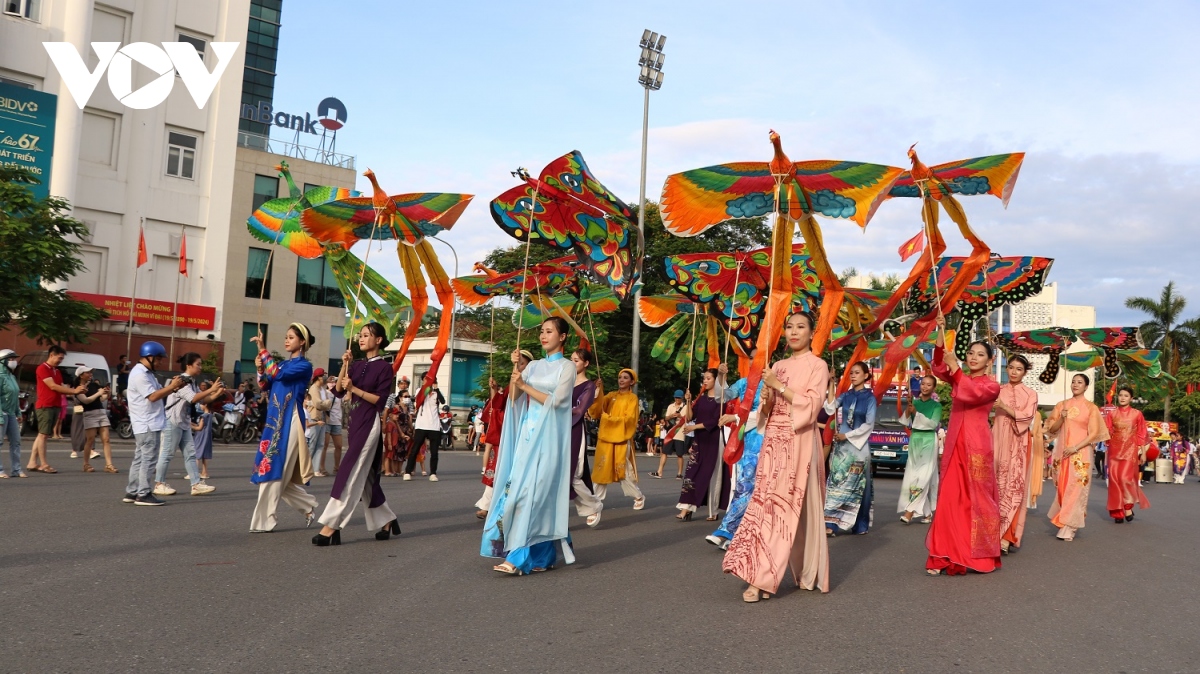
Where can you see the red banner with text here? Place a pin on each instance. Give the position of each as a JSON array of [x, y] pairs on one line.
[[153, 312]]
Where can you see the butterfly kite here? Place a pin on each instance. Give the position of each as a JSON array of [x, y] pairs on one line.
[[568, 209]]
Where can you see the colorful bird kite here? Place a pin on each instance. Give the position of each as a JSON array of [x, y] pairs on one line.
[[794, 192]]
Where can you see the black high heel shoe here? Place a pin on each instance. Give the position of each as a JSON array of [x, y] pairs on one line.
[[324, 541], [686, 516], [390, 529]]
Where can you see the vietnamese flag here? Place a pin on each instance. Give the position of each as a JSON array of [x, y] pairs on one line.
[[912, 246], [183, 255], [142, 257]]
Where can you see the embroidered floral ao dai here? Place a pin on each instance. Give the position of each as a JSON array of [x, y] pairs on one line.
[[1012, 442], [784, 523], [1081, 421], [965, 534]]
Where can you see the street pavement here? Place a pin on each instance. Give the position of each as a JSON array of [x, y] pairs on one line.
[[88, 583]]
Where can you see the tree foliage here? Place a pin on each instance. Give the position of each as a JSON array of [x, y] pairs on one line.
[[1166, 330], [36, 253]]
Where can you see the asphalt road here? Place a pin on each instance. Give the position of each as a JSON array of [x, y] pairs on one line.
[[88, 583]]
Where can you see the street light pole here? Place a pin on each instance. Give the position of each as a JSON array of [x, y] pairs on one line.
[[650, 77]]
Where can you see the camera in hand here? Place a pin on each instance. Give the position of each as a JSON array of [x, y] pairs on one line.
[[186, 379]]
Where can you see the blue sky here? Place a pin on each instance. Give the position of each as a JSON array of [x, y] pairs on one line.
[[1103, 98]]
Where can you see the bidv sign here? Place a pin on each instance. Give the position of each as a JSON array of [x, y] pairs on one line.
[[331, 115], [173, 57]]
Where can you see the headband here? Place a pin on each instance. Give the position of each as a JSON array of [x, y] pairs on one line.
[[299, 327], [631, 373]]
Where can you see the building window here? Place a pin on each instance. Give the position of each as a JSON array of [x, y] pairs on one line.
[[16, 83], [315, 284], [181, 155], [266, 188], [249, 350], [195, 42], [29, 9], [99, 141], [258, 273]]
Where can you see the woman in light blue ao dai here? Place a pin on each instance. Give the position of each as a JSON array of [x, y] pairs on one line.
[[531, 505]]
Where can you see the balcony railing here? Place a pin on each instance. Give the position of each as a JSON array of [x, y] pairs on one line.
[[262, 143]]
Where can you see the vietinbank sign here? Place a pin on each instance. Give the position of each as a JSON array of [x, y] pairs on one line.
[[331, 115], [166, 61]]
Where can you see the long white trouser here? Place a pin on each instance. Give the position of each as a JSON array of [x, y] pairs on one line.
[[270, 493], [338, 511], [628, 486], [485, 501], [586, 502]]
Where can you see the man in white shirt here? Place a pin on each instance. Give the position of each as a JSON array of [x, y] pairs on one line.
[[428, 427], [148, 417]]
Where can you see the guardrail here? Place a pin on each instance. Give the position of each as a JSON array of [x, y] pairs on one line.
[[262, 143]]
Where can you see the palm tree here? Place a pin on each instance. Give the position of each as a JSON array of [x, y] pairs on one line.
[[1166, 331]]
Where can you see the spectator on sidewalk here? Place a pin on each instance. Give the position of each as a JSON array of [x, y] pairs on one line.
[[50, 390], [178, 432], [677, 441], [10, 414]]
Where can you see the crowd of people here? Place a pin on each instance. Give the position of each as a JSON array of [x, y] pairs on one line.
[[802, 472]]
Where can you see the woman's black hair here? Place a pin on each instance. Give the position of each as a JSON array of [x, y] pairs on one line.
[[377, 331], [713, 371], [307, 335], [560, 324], [585, 355], [188, 358], [1126, 387], [862, 364], [812, 322], [986, 347], [1020, 359], [1087, 381]]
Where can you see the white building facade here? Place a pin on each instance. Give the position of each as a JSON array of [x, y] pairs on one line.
[[167, 170]]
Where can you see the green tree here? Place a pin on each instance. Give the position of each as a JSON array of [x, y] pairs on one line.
[[36, 253], [1166, 331], [614, 331]]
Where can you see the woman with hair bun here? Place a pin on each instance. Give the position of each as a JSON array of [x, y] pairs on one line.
[[848, 500], [965, 534], [533, 476], [363, 386], [704, 416], [1079, 426], [282, 464], [782, 526], [1012, 441]]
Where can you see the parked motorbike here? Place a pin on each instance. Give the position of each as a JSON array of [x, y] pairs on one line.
[[238, 426], [118, 416], [25, 420]]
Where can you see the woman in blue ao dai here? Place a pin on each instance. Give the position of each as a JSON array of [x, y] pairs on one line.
[[533, 480], [282, 464], [848, 498]]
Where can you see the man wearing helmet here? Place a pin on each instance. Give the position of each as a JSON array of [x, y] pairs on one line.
[[10, 411], [147, 415]]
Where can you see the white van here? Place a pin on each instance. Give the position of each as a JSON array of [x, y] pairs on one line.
[[27, 371]]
